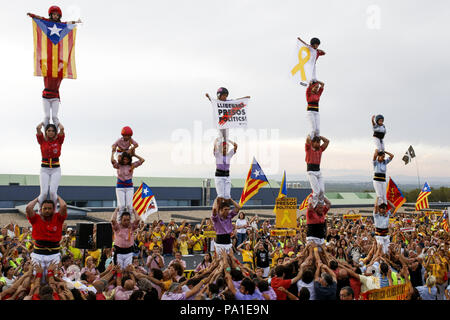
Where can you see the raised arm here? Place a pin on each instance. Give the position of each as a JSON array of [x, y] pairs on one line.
[[325, 143], [61, 130], [140, 159], [375, 155], [207, 95], [389, 154], [39, 128], [302, 41], [236, 205], [373, 121], [30, 208], [246, 97], [62, 207]]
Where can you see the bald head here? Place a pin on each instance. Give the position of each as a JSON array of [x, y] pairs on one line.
[[128, 285]]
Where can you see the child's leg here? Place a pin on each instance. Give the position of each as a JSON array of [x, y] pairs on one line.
[[47, 105], [44, 180], [315, 186], [312, 123], [54, 105], [55, 178]]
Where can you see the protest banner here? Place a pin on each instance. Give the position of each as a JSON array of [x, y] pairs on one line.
[[409, 229], [397, 292], [230, 113], [209, 234], [282, 232], [286, 212], [303, 67], [352, 216]]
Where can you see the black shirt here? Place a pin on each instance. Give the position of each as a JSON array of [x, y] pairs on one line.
[[262, 258]]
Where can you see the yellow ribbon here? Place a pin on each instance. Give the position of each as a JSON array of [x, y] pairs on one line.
[[301, 62], [285, 217]]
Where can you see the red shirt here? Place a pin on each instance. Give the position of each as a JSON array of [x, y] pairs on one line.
[[51, 89], [313, 156], [276, 282], [36, 296], [313, 97], [319, 53], [312, 217], [47, 230], [100, 296], [50, 148], [355, 284]]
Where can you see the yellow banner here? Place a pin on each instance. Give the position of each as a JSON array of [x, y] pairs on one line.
[[209, 234], [398, 292], [352, 216], [286, 212], [283, 232]]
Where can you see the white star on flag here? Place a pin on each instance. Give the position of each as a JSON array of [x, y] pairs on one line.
[[256, 173], [145, 191], [54, 30]]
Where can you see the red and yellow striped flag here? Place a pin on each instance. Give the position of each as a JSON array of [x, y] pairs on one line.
[[54, 49], [256, 179], [141, 198], [422, 199], [304, 204]]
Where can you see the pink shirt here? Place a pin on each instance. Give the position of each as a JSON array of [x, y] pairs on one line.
[[121, 145], [124, 237], [122, 294], [124, 172]]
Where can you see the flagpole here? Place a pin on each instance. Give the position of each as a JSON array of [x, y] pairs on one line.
[[418, 177]]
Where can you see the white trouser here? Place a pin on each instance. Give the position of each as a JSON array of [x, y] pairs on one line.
[[125, 199], [223, 187], [314, 123], [384, 242], [222, 247], [318, 241], [223, 135], [44, 261], [266, 272], [124, 260], [380, 189], [49, 179], [379, 143], [53, 106], [317, 186]]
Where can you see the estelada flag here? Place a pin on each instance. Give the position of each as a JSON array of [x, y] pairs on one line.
[[422, 199], [394, 195], [256, 179], [54, 49], [142, 198], [304, 204], [283, 190]]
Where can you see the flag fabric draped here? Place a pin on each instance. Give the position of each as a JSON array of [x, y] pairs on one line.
[[283, 190], [409, 154], [256, 179], [394, 195], [303, 67], [144, 201], [304, 204], [444, 222], [422, 199], [54, 49]]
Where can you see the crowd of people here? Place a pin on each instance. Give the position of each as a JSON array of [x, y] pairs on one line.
[[259, 265]]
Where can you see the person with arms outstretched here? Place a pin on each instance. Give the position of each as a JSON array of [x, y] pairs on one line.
[[222, 95], [47, 231]]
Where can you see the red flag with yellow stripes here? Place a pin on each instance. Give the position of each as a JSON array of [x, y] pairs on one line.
[[142, 198], [256, 179], [54, 49], [304, 204]]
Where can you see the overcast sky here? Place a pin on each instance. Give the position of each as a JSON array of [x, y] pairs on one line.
[[148, 64]]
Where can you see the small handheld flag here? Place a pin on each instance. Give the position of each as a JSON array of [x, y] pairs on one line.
[[422, 199], [144, 201], [256, 179]]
